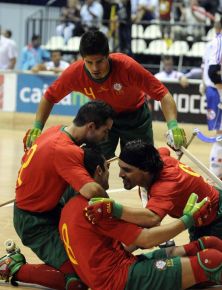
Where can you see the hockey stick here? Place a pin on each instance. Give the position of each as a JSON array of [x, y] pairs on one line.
[[207, 139], [202, 166], [12, 200], [112, 159], [188, 144], [7, 202]]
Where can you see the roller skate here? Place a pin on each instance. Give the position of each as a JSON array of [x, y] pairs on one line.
[[11, 262]]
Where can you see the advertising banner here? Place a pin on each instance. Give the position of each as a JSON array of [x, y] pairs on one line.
[[191, 106], [30, 89]]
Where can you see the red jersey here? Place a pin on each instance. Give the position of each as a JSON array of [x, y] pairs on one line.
[[51, 164], [96, 251], [124, 88], [169, 194], [165, 7]]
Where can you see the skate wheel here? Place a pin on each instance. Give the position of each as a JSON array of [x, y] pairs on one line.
[[10, 245]]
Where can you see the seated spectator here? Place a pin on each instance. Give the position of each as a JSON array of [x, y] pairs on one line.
[[143, 10], [165, 12], [195, 17], [56, 65], [70, 21], [8, 53], [91, 15], [33, 54], [168, 73]]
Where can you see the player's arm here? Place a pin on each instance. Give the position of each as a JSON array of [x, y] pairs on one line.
[[192, 216], [140, 216], [149, 238], [43, 111], [42, 114], [100, 208], [92, 189], [169, 108]]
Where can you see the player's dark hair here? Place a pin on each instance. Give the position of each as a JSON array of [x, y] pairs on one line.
[[95, 111], [92, 158], [94, 42], [143, 156]]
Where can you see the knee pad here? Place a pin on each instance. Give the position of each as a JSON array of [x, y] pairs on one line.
[[210, 242], [210, 260]]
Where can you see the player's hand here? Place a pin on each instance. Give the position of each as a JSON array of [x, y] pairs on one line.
[[194, 213], [32, 134], [175, 136], [100, 208], [30, 137]]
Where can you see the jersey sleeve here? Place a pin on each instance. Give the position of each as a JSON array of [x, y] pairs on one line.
[[70, 167], [164, 151], [160, 207], [63, 86], [119, 230], [147, 81], [162, 197]]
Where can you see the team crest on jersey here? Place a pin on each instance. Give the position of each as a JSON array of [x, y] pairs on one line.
[[163, 264], [160, 265], [117, 87]]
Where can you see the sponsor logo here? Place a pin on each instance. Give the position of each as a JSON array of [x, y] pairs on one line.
[[194, 104]]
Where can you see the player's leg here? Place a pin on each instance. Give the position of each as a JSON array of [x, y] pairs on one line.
[[175, 273], [214, 117], [13, 267], [40, 233], [191, 249]]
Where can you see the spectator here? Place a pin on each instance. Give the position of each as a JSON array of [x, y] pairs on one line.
[[91, 15], [8, 53], [7, 33], [165, 8], [209, 5], [56, 65], [33, 54], [124, 15], [70, 20], [195, 17], [168, 73], [143, 10]]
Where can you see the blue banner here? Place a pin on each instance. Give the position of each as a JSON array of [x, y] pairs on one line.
[[30, 89]]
